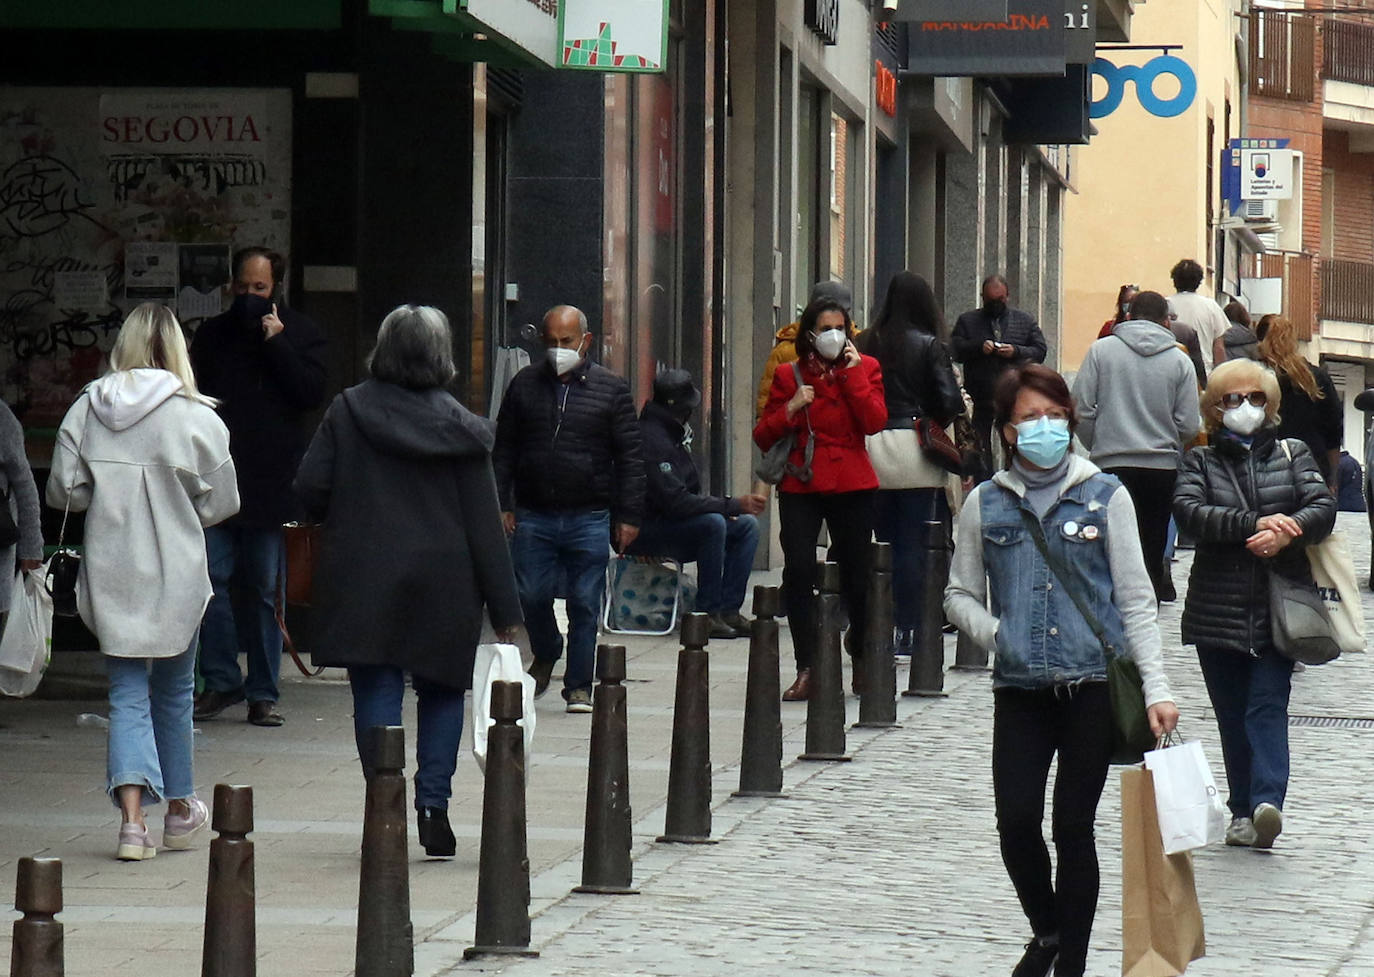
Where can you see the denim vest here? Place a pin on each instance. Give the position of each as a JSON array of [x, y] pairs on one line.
[[1042, 638]]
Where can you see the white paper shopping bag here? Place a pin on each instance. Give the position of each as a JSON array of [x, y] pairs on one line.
[[1191, 812]]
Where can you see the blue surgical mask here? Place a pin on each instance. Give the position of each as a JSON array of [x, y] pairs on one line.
[[1043, 441]]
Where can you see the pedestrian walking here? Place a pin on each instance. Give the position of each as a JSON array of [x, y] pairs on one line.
[[1137, 403], [264, 363], [412, 551], [143, 453], [785, 342], [989, 341], [908, 341], [1201, 319], [1047, 535], [1124, 295], [1252, 501], [1239, 340], [720, 534], [19, 495], [1312, 408], [838, 401], [571, 481]]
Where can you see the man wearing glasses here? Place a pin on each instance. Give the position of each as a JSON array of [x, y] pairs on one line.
[[1137, 401]]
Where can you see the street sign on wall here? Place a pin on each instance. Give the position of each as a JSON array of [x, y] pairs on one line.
[[1032, 39], [613, 35], [1266, 174]]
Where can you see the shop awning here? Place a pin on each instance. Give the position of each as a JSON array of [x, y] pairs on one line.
[[172, 15], [511, 33]]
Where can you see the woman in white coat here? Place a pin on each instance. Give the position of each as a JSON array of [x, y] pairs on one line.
[[145, 454]]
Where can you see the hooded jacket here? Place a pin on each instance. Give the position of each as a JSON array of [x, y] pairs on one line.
[[412, 550], [674, 484], [151, 468], [1136, 395], [784, 351]]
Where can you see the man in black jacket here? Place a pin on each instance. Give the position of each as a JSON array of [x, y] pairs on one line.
[[989, 341], [718, 534], [571, 481], [265, 364]]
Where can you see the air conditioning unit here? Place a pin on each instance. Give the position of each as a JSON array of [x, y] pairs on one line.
[[1270, 240], [1261, 211]]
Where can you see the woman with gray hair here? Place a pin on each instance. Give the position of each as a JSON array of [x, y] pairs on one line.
[[411, 549], [1253, 501]]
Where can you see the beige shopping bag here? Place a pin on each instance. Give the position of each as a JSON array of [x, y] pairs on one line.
[[1161, 921]]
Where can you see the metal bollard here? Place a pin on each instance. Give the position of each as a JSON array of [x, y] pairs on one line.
[[927, 676], [825, 708], [503, 867], [760, 762], [36, 949], [688, 818], [878, 704], [969, 656], [606, 865], [231, 941], [385, 942]]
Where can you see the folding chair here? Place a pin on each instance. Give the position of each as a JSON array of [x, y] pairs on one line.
[[642, 593]]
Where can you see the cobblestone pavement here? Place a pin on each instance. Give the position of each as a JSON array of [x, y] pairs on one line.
[[887, 864]]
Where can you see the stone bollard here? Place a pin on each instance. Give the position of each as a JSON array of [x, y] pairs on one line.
[[760, 763], [968, 656], [36, 950], [231, 941], [688, 818], [385, 942], [927, 677], [503, 868], [878, 704], [825, 708], [606, 865]]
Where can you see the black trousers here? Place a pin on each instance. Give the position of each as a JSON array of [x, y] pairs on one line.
[[1152, 492], [849, 517], [1029, 727]]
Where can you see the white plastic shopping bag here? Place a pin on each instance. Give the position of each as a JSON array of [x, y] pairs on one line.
[[26, 645], [498, 663], [1191, 812]]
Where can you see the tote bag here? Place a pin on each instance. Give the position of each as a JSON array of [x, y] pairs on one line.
[[1334, 573]]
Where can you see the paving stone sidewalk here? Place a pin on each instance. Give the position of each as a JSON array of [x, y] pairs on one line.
[[889, 864]]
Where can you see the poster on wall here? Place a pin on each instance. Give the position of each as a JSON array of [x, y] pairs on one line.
[[613, 35], [107, 199]]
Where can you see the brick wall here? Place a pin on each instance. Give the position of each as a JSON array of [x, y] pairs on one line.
[[1353, 211]]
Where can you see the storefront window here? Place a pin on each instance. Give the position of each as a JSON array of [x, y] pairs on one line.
[[808, 194], [615, 335]]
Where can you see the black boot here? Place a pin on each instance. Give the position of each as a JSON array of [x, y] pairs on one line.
[[436, 837]]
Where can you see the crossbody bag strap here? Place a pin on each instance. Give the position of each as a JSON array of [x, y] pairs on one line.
[[1061, 574], [809, 452], [67, 509]]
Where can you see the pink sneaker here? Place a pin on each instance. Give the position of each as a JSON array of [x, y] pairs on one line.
[[180, 832], [134, 844]]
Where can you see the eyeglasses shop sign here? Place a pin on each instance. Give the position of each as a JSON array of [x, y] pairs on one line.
[[823, 17]]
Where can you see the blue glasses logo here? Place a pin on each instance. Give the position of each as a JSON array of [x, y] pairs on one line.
[[1144, 76]]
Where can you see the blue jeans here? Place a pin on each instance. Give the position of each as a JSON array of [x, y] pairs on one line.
[[377, 694], [550, 547], [900, 518], [722, 548], [252, 560], [150, 726], [1250, 698]]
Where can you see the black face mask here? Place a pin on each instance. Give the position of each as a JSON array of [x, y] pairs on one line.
[[250, 308], [996, 308]]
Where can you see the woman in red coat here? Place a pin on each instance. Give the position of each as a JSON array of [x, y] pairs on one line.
[[839, 401]]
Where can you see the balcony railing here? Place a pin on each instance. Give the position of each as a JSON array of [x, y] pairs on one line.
[[1348, 290], [1282, 55], [1294, 270], [1348, 51]]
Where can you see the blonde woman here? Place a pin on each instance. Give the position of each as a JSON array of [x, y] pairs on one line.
[[1312, 409], [145, 455], [1252, 502]]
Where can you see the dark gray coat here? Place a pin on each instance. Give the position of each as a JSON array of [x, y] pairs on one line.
[[412, 547]]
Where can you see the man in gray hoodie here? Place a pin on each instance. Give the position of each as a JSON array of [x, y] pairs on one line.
[[1137, 401]]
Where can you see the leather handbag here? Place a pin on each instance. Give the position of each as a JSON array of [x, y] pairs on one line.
[[937, 446], [1131, 733], [775, 464], [1299, 621], [300, 541]]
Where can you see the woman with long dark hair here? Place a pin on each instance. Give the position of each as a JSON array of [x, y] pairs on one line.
[[838, 401], [1124, 295], [1312, 408], [908, 341]]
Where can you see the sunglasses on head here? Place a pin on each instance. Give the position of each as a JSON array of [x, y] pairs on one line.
[[1257, 398]]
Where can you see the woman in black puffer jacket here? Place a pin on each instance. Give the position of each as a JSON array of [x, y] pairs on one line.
[[1252, 501]]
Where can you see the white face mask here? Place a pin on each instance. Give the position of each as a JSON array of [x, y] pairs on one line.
[[1244, 420], [830, 343], [563, 360]]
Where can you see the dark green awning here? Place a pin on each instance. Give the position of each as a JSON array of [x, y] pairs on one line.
[[171, 14]]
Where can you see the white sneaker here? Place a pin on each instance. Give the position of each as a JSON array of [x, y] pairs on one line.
[[1240, 833], [134, 843], [180, 832], [1268, 825]]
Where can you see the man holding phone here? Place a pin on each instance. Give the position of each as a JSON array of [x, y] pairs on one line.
[[989, 341]]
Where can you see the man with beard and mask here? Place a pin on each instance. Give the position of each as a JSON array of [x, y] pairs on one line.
[[571, 482], [264, 363], [988, 341], [718, 534]]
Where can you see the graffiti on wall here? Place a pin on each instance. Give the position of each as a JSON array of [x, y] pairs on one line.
[[110, 197]]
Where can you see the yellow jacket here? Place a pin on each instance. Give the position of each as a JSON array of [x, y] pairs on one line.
[[784, 351]]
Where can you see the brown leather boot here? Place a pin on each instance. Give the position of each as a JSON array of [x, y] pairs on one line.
[[800, 690]]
